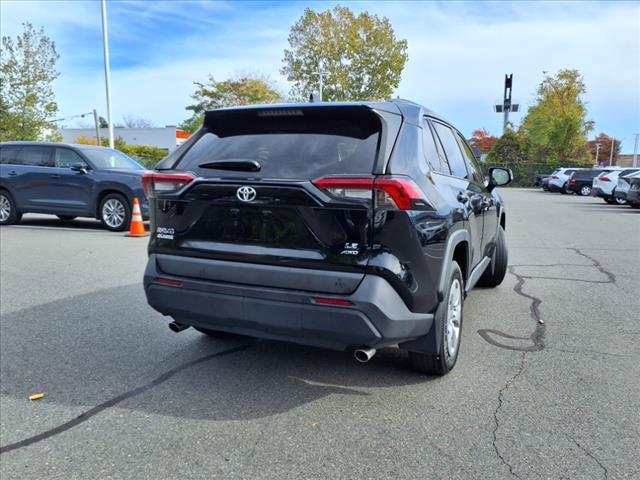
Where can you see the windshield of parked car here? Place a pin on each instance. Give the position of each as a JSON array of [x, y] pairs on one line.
[[105, 158]]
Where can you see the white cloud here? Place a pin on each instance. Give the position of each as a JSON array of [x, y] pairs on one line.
[[458, 53]]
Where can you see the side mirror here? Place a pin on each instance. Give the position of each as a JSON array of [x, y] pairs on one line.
[[498, 177], [79, 167]]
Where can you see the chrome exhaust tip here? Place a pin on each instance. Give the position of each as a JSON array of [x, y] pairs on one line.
[[177, 327], [363, 355]]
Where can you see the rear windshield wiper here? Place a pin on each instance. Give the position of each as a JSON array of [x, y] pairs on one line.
[[239, 164]]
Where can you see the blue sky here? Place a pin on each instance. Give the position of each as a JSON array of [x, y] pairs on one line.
[[458, 53]]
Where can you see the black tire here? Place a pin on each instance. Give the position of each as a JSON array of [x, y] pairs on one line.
[[218, 333], [8, 214], [110, 221], [610, 200], [442, 362], [585, 191], [618, 200], [66, 218], [497, 269], [564, 190]]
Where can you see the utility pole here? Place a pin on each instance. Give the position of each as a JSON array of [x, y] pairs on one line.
[[321, 75], [597, 153], [613, 143], [96, 121], [107, 74], [506, 106], [635, 150]]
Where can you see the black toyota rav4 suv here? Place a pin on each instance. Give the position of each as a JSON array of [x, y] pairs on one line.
[[350, 226]]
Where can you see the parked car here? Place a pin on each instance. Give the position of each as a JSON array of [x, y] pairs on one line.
[[69, 181], [351, 226], [538, 178], [559, 179], [581, 180], [633, 194], [620, 192], [605, 184]]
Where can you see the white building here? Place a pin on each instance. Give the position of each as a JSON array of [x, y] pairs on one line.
[[169, 137]]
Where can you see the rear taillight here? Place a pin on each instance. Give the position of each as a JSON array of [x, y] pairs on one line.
[[169, 282], [554, 177], [604, 179], [395, 192], [573, 180], [153, 182], [335, 302]]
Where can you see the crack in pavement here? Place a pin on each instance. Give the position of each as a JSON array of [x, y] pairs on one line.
[[605, 471], [504, 388], [537, 337], [83, 417]]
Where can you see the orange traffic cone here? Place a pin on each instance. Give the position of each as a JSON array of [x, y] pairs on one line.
[[137, 227]]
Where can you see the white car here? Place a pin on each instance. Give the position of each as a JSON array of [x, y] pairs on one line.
[[624, 179], [559, 179], [605, 184]]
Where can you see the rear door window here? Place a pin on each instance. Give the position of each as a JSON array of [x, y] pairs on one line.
[[9, 155], [36, 156], [452, 150], [434, 156], [291, 146]]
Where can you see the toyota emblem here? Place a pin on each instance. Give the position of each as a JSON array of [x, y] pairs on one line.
[[246, 194]]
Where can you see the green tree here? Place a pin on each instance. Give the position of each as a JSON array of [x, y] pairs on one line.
[[245, 90], [360, 54], [557, 125], [27, 70]]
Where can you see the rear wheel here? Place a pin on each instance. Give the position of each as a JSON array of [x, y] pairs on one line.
[[585, 190], [449, 321], [564, 190], [66, 218], [8, 213], [115, 212], [497, 269], [618, 200]]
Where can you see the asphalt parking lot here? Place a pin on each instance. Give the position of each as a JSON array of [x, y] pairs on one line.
[[127, 398]]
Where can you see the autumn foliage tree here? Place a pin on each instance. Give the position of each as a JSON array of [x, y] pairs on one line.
[[482, 140], [248, 89], [557, 124], [361, 55], [604, 152]]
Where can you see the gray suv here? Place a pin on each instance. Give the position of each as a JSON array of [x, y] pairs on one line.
[[69, 181]]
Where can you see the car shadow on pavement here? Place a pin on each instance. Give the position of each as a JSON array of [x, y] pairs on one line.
[[54, 222], [87, 349]]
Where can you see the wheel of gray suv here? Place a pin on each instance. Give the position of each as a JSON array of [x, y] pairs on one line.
[[564, 190], [115, 212], [497, 269], [8, 213], [66, 218], [585, 190], [449, 319]]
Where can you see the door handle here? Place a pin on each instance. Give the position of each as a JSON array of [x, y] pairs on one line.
[[12, 173], [54, 176], [462, 198]]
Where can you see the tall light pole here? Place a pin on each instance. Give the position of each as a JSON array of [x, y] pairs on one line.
[[597, 153], [107, 73], [635, 150], [613, 143], [321, 75], [506, 106]]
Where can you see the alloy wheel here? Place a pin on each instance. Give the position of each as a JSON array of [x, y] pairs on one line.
[[454, 316], [113, 213], [586, 190], [5, 208]]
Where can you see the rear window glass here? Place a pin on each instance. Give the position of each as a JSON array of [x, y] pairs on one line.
[[304, 146], [8, 154], [36, 156]]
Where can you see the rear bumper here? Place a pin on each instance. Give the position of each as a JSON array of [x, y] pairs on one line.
[[377, 318], [598, 192]]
